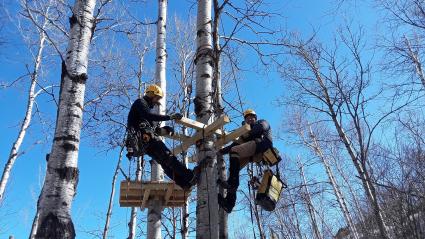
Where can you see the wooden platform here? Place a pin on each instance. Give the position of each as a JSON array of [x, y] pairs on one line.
[[137, 193]]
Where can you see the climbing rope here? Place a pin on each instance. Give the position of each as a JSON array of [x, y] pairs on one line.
[[250, 201]]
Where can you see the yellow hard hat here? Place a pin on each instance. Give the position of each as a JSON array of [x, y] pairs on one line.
[[153, 90], [249, 112]]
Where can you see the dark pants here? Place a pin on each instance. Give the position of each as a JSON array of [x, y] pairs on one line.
[[172, 167], [239, 157]]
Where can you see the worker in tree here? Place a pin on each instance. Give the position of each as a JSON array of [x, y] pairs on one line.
[[249, 147], [143, 131]]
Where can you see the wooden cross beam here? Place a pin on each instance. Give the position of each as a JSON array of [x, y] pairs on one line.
[[197, 125], [170, 190], [225, 139], [234, 135], [177, 136], [204, 132], [145, 197]]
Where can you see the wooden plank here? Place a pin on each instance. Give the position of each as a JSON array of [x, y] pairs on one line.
[[153, 185], [177, 136], [170, 190], [234, 135], [207, 131], [197, 125], [145, 197], [191, 123], [138, 193]]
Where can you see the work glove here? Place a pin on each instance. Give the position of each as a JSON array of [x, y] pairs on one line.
[[226, 149], [176, 116]]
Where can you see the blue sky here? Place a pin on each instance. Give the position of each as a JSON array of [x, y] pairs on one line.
[[96, 168]]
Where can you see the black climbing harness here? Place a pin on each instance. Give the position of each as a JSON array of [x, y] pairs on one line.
[[137, 139]]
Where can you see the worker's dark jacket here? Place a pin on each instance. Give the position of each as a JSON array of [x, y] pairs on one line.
[[140, 112], [261, 133], [141, 119]]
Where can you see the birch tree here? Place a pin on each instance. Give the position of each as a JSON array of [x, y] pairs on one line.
[[32, 94], [218, 106], [404, 46], [132, 224], [336, 90], [59, 189], [207, 202], [182, 41], [157, 174], [112, 195], [317, 149], [309, 203]]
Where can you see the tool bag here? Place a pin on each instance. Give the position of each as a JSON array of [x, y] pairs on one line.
[[136, 139], [268, 193], [271, 156]]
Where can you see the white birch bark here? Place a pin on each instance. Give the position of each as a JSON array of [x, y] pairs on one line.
[[337, 191], [207, 203], [14, 152], [414, 57], [365, 177], [218, 109], [185, 209], [111, 196], [358, 159], [310, 208], [132, 224], [60, 184], [157, 174], [34, 226]]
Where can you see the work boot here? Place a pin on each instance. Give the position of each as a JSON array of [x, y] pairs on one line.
[[229, 184], [223, 183], [196, 174], [225, 204]]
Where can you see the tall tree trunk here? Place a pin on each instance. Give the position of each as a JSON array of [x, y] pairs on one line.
[[358, 159], [417, 62], [337, 191], [155, 206], [297, 221], [223, 217], [218, 109], [186, 100], [157, 174], [59, 189], [14, 152], [185, 209], [34, 226], [207, 203], [111, 196], [353, 195], [365, 177], [310, 208], [132, 224]]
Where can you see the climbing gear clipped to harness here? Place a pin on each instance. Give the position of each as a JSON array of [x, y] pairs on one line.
[[272, 157], [132, 143], [269, 191], [271, 185], [136, 140]]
